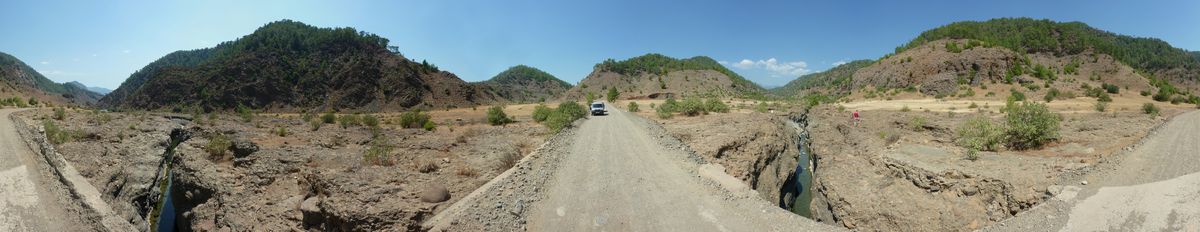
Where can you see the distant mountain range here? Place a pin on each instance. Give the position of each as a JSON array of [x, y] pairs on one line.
[[20, 80]]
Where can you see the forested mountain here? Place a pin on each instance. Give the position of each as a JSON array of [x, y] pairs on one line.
[[836, 78], [21, 79], [657, 76], [288, 65], [526, 84], [1025, 35], [659, 64]]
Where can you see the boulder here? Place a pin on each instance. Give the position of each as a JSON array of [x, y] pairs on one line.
[[435, 193]]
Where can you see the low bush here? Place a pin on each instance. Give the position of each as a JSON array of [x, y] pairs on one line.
[[496, 116], [429, 126], [60, 113], [378, 152], [1101, 106], [245, 113], [1151, 109], [370, 120], [633, 107], [716, 106], [917, 123], [217, 145], [1016, 95], [1110, 88], [563, 116], [541, 112], [413, 119], [979, 133], [328, 118], [1030, 125], [761, 107], [315, 125], [349, 120], [691, 107], [56, 134]]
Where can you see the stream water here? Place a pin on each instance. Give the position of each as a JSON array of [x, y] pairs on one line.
[[803, 175]]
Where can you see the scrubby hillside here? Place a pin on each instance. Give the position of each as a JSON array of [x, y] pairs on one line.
[[288, 65], [658, 76], [1045, 59], [1153, 57], [526, 84], [837, 80], [20, 80]]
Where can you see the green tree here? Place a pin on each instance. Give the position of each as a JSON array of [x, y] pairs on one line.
[[612, 94]]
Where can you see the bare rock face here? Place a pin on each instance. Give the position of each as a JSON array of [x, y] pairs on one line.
[[932, 67], [435, 193]]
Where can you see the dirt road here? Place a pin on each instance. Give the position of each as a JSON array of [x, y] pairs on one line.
[[1156, 187], [618, 177], [26, 202]]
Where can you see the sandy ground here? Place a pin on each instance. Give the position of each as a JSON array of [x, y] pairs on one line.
[[26, 203], [618, 178], [1075, 105]]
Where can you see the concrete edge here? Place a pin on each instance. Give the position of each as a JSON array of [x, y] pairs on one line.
[[82, 192]]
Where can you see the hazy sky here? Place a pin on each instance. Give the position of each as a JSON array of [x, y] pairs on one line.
[[100, 43]]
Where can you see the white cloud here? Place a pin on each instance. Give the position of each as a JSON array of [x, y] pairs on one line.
[[125, 51], [44, 62], [94, 55], [775, 68], [840, 62], [723, 62]]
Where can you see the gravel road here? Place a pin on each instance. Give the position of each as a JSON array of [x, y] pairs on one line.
[[617, 176], [27, 203], [1155, 187]]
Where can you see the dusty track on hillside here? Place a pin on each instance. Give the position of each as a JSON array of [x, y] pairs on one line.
[[1154, 187], [618, 177], [27, 202]]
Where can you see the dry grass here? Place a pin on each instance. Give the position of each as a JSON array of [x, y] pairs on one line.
[[467, 171], [507, 160], [427, 166]]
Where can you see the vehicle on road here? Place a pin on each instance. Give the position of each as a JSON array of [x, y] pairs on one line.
[[598, 109]]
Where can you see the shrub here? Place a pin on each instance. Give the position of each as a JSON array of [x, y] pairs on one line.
[[972, 154], [18, 102], [1030, 125], [1162, 96], [572, 110], [1110, 88], [413, 119], [670, 105], [33, 101], [281, 132], [315, 125], [589, 98], [541, 112], [496, 116], [979, 133], [761, 107], [328, 118], [429, 126], [55, 134], [1016, 95], [1100, 106], [917, 123], [1178, 99], [612, 94], [1151, 109], [217, 145], [245, 112], [1145, 93], [378, 153], [370, 120], [633, 107], [715, 105], [905, 109], [664, 112], [1051, 95], [691, 107], [60, 113], [1104, 98], [349, 120], [507, 160]]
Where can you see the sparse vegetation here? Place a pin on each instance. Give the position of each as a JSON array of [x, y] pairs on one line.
[[245, 112], [917, 123], [370, 120], [562, 117], [1101, 106], [56, 134], [378, 152], [612, 94], [761, 107], [346, 121], [716, 106], [497, 117], [633, 107]]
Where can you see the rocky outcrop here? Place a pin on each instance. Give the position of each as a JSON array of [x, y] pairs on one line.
[[935, 70]]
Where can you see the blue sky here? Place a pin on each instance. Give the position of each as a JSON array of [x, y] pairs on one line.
[[770, 42]]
